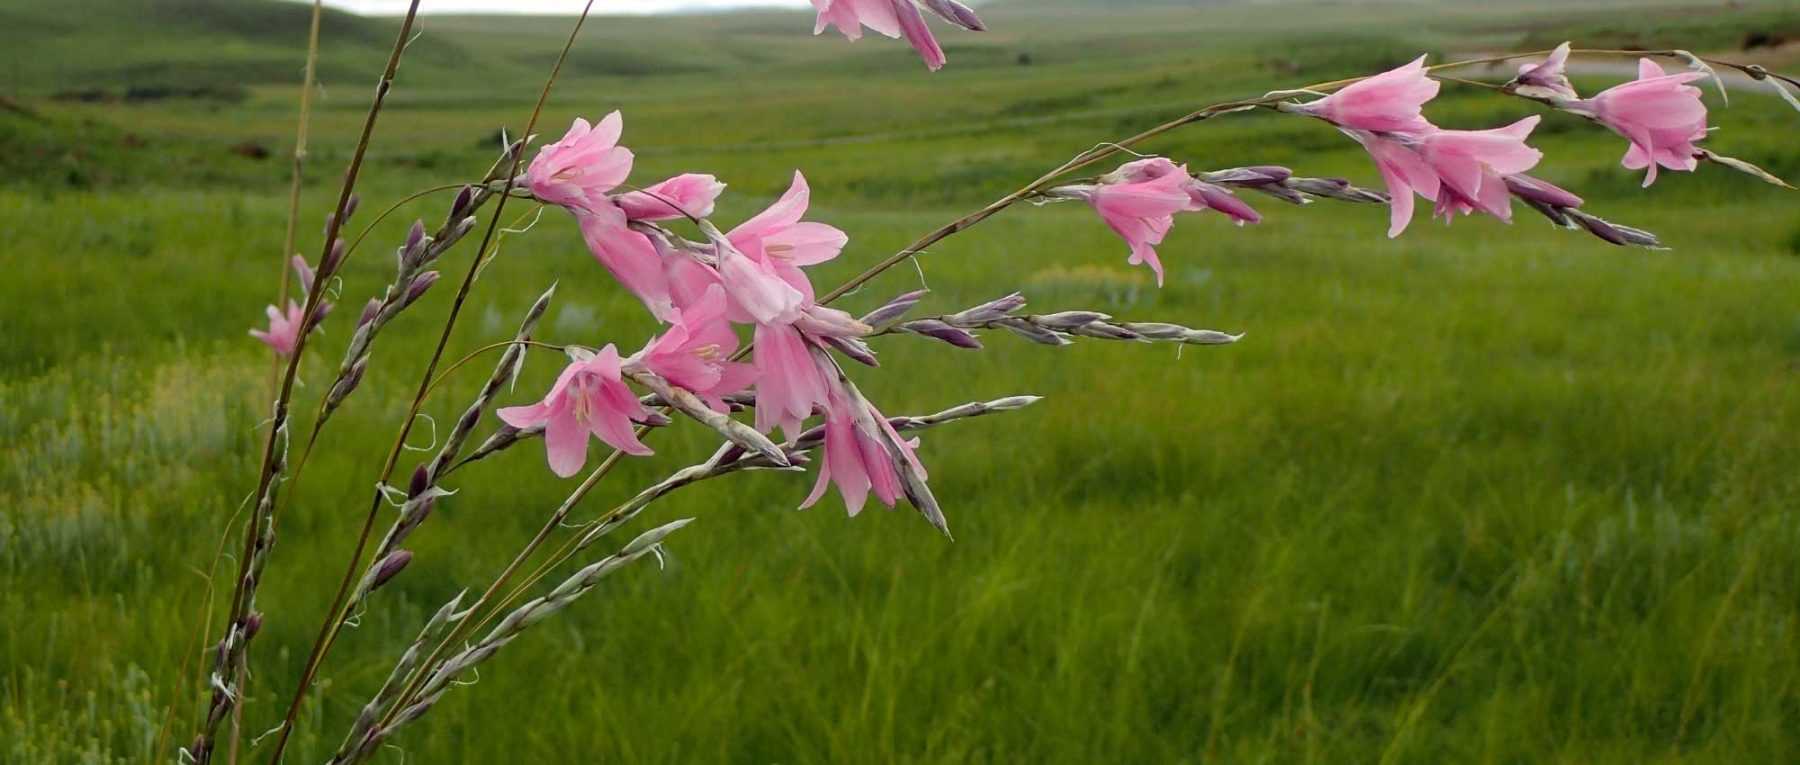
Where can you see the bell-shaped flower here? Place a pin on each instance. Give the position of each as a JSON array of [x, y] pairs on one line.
[[1547, 78], [589, 398], [1142, 212], [685, 196], [760, 261], [778, 236], [283, 334], [695, 352], [1661, 114], [1202, 195], [577, 171], [1389, 102], [1472, 165], [1405, 174], [789, 383], [892, 18], [632, 259], [864, 454]]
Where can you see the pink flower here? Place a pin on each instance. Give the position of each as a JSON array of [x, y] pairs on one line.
[[1547, 78], [1142, 212], [789, 383], [862, 453], [779, 236], [1472, 165], [577, 171], [1659, 113], [284, 329], [758, 291], [761, 264], [695, 352], [685, 196], [1201, 195], [589, 397], [1389, 102], [888, 17], [632, 259], [1405, 173], [912, 24]]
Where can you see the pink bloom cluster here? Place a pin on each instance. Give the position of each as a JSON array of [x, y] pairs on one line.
[[752, 275], [1140, 199], [1463, 171], [1661, 114], [896, 18]]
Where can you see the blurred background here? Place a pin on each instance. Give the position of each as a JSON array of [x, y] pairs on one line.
[[1483, 493]]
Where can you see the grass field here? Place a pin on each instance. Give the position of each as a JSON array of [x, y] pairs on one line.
[[1482, 494]]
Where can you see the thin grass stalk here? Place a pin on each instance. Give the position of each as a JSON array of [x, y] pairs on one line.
[[440, 681], [337, 613], [235, 633]]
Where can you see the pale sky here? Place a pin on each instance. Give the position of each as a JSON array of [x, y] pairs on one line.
[[557, 6]]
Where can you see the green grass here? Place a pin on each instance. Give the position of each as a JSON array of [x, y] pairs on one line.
[[1485, 494]]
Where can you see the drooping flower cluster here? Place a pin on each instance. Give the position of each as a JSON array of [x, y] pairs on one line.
[[896, 18], [753, 275], [1463, 171], [1139, 202], [1661, 114]]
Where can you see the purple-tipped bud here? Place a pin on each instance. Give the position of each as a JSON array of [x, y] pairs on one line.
[[1260, 175], [1336, 188], [894, 310], [462, 202], [463, 227], [303, 270], [420, 285], [855, 349], [993, 310], [318, 315], [390, 567], [335, 258], [253, 624], [940, 331], [956, 13], [1106, 331], [415, 235], [350, 206], [1033, 332], [421, 480], [1218, 199], [330, 222], [370, 310], [657, 420], [346, 386], [1613, 232], [1533, 190], [1068, 320]]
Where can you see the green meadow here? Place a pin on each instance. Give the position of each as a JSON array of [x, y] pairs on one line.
[[1484, 493]]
